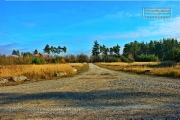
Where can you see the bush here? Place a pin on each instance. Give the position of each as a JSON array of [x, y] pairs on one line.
[[18, 60], [124, 59], [114, 59], [127, 59], [82, 58], [56, 60], [146, 58], [167, 63], [36, 61]]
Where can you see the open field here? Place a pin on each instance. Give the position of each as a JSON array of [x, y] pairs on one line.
[[157, 68], [33, 71], [41, 72], [96, 94]]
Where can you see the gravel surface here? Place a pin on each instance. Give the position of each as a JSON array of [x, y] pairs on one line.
[[96, 94]]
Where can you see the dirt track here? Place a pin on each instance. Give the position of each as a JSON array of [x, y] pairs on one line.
[[96, 94]]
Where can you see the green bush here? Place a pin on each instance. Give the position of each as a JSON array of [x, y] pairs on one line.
[[146, 58], [57, 60], [36, 61], [114, 59], [125, 59]]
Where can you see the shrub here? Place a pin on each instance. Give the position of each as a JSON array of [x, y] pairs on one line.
[[56, 59], [146, 58], [125, 59], [82, 58], [167, 63], [36, 61], [114, 59]]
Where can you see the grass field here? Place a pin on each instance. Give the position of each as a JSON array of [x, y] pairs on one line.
[[166, 69], [41, 72]]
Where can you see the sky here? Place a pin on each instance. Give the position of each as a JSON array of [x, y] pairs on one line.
[[29, 25]]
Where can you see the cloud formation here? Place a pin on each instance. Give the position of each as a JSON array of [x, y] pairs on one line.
[[166, 28]]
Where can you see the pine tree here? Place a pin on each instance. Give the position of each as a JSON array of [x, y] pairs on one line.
[[96, 49]]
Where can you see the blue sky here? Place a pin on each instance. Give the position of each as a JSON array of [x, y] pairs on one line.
[[27, 26]]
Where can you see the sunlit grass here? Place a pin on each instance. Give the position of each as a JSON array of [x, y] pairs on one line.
[[41, 72], [140, 68], [81, 67], [35, 71]]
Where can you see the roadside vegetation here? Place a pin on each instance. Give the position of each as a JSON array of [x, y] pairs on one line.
[[154, 51], [40, 72], [165, 69], [139, 57], [51, 55], [35, 71], [28, 67], [53, 61], [80, 67]]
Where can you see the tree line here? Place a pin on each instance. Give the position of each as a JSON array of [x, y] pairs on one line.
[[35, 57], [53, 56], [163, 50], [80, 58], [47, 49], [103, 53]]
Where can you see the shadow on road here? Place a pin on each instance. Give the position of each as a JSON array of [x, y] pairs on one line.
[[90, 97]]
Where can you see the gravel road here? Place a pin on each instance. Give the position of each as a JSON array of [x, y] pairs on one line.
[[96, 94]]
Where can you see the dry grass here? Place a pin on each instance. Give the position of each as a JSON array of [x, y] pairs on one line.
[[40, 72], [81, 67], [157, 68], [77, 64], [35, 71], [128, 64]]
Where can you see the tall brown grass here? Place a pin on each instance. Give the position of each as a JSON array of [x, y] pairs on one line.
[[157, 68], [35, 71], [40, 72], [81, 67]]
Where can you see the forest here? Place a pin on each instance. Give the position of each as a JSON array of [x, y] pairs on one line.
[[163, 50]]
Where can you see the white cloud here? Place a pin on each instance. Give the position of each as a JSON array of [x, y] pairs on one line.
[[166, 28], [163, 27]]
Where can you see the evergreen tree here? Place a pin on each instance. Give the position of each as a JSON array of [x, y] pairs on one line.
[[64, 49], [36, 52], [116, 50], [16, 52], [47, 49], [96, 49], [104, 52]]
